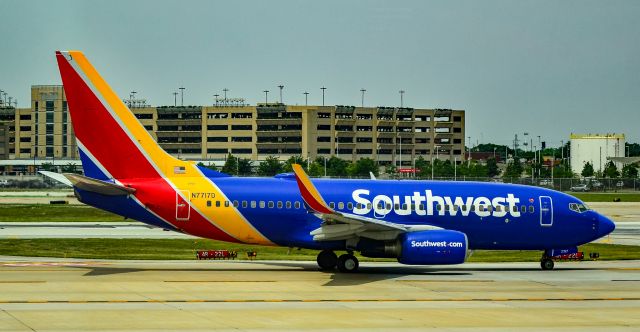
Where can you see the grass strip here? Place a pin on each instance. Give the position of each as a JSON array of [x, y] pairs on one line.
[[54, 213]]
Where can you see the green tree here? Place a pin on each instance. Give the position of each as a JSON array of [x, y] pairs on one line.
[[514, 169], [630, 171], [69, 168], [587, 170], [390, 169], [230, 165], [211, 166], [295, 160], [610, 170], [317, 167], [562, 171], [492, 167], [337, 166], [245, 166], [424, 167], [47, 167], [362, 167], [270, 166]]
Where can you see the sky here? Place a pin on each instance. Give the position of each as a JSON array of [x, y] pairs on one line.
[[547, 68]]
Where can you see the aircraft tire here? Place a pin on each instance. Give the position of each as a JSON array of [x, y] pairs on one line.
[[348, 263], [546, 264], [327, 260]]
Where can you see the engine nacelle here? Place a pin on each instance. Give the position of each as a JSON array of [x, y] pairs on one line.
[[433, 247]]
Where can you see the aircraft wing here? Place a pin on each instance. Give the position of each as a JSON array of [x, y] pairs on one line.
[[339, 225]]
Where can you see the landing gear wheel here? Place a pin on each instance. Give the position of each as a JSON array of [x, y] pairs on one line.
[[348, 263], [546, 264], [327, 260]]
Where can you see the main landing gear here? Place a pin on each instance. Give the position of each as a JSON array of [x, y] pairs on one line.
[[328, 260], [546, 263]]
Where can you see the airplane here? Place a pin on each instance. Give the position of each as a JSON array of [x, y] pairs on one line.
[[416, 222]]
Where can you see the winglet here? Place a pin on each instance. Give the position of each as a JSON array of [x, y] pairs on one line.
[[310, 194]]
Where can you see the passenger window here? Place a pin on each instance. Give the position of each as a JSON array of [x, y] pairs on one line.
[[472, 208], [217, 203], [271, 204], [262, 204], [288, 205], [489, 208], [388, 206], [350, 206], [438, 207], [397, 207], [514, 209], [209, 203], [253, 204], [523, 209], [422, 207], [531, 208], [455, 208], [463, 208], [279, 204], [340, 206], [235, 203], [380, 205], [332, 205], [369, 206], [499, 208], [244, 204], [226, 203], [296, 205]]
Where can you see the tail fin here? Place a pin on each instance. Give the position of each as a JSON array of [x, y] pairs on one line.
[[112, 142]]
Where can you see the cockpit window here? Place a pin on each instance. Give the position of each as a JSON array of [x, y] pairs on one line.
[[578, 207]]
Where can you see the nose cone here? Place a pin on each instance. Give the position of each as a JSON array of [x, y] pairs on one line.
[[605, 226]]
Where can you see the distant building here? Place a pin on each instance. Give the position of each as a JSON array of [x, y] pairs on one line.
[[595, 149], [385, 134]]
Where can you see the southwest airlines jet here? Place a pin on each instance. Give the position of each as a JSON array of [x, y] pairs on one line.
[[416, 222]]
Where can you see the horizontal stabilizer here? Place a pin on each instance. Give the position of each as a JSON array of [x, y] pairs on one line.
[[90, 184]]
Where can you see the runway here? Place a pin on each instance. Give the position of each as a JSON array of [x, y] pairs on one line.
[[65, 294]]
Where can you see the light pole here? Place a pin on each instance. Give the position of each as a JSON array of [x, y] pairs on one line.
[[281, 87], [266, 97], [181, 96], [175, 99], [400, 139], [224, 101], [216, 96], [306, 98], [1, 101], [494, 153], [401, 98], [323, 88], [363, 91], [455, 167]]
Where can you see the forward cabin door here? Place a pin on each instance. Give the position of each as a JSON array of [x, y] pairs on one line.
[[546, 211], [183, 209]]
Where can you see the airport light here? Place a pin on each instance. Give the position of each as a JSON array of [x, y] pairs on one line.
[[181, 95], [224, 101], [175, 99], [216, 98], [363, 91], [281, 87], [401, 98], [306, 96], [323, 88], [266, 97]]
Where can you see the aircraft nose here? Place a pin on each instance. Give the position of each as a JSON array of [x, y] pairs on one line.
[[605, 226]]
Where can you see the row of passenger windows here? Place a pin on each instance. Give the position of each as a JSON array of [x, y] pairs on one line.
[[381, 206]]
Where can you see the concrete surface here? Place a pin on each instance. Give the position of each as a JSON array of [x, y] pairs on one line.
[[71, 295]]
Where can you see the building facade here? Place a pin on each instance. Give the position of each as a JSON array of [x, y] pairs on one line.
[[595, 149], [386, 134]]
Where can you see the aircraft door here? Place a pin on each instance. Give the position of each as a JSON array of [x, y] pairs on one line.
[[546, 211], [183, 208]]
